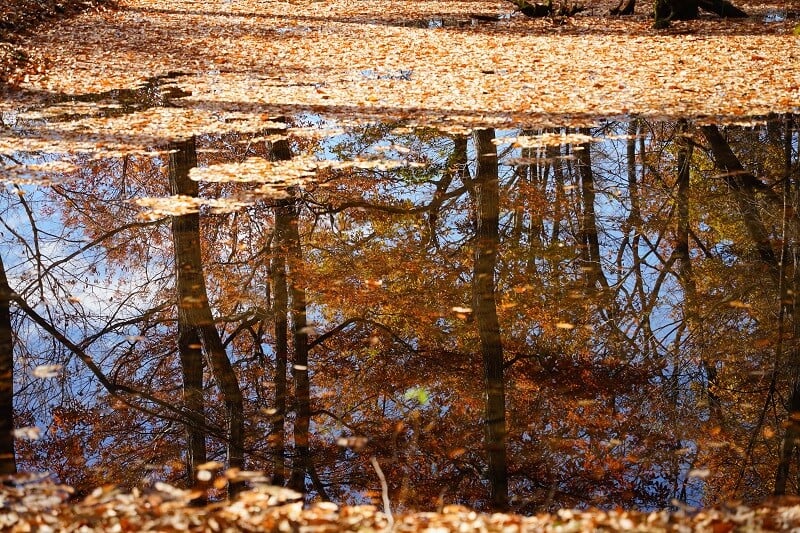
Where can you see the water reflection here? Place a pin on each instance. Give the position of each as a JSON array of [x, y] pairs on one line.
[[533, 318]]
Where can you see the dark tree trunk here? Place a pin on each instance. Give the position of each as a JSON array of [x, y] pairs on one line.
[[288, 243], [289, 290], [193, 306], [229, 386], [791, 440], [302, 389], [589, 242], [686, 273], [456, 163], [280, 151], [192, 368], [537, 10], [487, 204], [184, 227], [8, 463], [743, 185], [791, 437], [553, 154], [280, 307], [723, 8], [624, 7], [682, 231], [666, 10]]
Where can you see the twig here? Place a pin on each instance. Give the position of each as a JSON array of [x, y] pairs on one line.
[[387, 506]]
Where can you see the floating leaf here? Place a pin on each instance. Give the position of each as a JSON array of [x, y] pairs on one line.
[[28, 433], [418, 394], [47, 371]]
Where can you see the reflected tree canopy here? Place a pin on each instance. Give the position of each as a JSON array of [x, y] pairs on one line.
[[528, 319]]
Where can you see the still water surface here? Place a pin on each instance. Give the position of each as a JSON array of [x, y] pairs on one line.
[[556, 315]]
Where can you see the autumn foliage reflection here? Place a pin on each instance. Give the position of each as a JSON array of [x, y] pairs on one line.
[[529, 319]]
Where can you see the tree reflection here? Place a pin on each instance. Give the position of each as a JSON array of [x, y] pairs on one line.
[[8, 463], [624, 292], [484, 192]]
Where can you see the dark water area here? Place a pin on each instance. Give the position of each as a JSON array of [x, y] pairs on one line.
[[600, 314]]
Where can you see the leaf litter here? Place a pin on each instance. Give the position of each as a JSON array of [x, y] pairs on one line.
[[290, 57], [34, 502]]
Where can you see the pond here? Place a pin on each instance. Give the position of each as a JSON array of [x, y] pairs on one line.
[[594, 313]]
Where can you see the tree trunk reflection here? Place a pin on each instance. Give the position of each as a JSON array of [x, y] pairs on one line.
[[8, 463], [195, 319], [486, 197]]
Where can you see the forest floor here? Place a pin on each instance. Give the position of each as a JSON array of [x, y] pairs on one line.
[[21, 17], [45, 507], [296, 56]]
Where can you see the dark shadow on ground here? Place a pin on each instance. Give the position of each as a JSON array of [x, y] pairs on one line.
[[507, 21]]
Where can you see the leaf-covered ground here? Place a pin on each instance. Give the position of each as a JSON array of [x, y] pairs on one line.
[[36, 506], [427, 59], [21, 17]]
